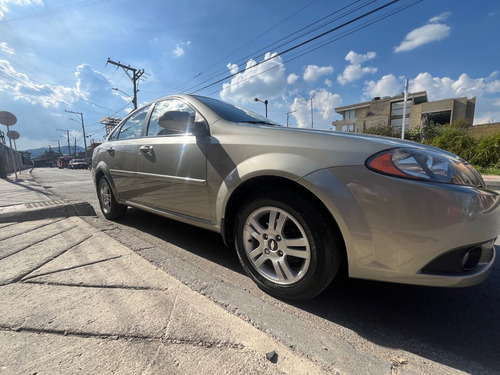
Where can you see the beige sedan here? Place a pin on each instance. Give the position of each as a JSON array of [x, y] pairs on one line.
[[296, 204]]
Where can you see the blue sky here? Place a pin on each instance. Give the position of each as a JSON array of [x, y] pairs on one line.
[[53, 57]]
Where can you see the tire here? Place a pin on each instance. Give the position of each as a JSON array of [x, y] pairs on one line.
[[288, 246], [109, 207]]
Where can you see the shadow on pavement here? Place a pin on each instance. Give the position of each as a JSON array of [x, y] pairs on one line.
[[457, 327]]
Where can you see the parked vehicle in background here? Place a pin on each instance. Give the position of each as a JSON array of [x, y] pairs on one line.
[[77, 164], [63, 161], [299, 204]]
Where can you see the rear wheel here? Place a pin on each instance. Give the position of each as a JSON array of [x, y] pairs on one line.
[[109, 207], [288, 246]]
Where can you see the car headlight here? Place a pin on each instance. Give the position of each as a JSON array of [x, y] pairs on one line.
[[425, 165]]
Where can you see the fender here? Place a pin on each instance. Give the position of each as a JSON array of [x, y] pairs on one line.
[[272, 164]]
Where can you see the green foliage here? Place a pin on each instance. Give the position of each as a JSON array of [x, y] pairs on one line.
[[455, 141], [388, 131], [495, 170], [383, 130], [487, 151]]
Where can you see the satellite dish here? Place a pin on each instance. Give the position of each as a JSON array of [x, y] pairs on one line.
[[7, 118], [12, 134]]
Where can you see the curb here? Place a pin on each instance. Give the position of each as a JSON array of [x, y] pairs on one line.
[[492, 182], [45, 210]]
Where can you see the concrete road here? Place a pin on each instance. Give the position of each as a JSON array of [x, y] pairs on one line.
[[415, 329]]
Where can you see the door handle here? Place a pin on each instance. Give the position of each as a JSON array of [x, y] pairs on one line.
[[147, 150]]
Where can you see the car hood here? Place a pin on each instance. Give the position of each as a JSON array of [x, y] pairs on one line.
[[324, 148]]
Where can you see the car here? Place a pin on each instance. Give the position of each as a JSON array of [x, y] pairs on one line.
[[77, 164], [300, 206]]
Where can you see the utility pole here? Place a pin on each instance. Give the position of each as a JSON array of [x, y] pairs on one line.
[[312, 121], [136, 74], [83, 130], [69, 145], [58, 144]]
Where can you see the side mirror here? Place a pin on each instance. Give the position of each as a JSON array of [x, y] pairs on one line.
[[175, 121], [180, 122]]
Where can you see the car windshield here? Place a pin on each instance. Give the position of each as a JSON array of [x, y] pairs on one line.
[[233, 113]]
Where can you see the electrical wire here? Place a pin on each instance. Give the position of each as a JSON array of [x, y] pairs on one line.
[[364, 15], [321, 45]]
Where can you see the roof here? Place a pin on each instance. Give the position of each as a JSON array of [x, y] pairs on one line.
[[422, 94]]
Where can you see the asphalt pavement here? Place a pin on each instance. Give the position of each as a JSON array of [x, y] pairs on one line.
[[76, 301]]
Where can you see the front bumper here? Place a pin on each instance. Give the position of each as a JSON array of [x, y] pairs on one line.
[[401, 230]]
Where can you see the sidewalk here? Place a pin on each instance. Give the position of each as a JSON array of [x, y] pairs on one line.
[[492, 182], [76, 301]]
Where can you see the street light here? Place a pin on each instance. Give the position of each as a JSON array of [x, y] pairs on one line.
[[287, 116], [265, 103], [83, 130], [123, 92]]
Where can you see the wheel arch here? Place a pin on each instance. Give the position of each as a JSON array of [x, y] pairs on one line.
[[260, 184], [100, 172]]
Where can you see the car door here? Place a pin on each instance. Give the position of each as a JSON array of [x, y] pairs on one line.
[[171, 164], [120, 155]]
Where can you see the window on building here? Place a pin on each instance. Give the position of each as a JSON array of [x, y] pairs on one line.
[[396, 123], [347, 128], [442, 117], [397, 114], [350, 114], [397, 108]]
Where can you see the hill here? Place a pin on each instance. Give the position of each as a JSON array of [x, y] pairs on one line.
[[64, 150]]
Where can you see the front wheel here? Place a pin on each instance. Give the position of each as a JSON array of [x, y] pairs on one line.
[[287, 246], [109, 207]]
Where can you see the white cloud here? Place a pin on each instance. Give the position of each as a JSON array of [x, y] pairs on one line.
[[328, 82], [442, 17], [21, 87], [179, 49], [5, 5], [441, 88], [313, 72], [5, 47], [233, 68], [89, 84], [266, 79], [292, 78], [355, 71], [356, 58], [387, 86], [323, 103], [431, 32], [483, 120]]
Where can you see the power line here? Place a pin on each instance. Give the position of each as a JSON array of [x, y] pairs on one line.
[[288, 39], [323, 44], [246, 44], [302, 44]]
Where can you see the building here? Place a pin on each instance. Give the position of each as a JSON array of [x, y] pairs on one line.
[[389, 111]]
